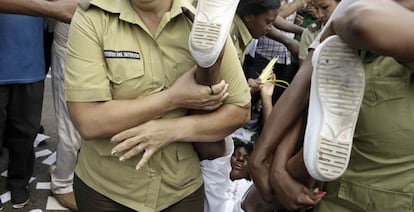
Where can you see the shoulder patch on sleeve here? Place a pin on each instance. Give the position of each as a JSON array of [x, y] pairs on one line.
[[234, 34], [315, 26]]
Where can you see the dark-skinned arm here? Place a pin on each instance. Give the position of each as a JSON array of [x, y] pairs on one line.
[[363, 22], [286, 26], [289, 192], [266, 93], [286, 111], [291, 44]]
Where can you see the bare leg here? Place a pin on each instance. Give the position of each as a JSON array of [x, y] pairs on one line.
[[209, 76]]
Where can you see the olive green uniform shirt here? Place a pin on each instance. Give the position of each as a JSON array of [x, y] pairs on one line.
[[380, 175], [241, 37], [308, 36], [111, 55]]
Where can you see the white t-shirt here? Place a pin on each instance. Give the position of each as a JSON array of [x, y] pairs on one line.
[[236, 192]]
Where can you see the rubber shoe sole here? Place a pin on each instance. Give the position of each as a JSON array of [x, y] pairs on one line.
[[337, 89], [19, 198], [212, 22], [20, 205]]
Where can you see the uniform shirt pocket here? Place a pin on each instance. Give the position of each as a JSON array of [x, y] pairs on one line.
[[383, 90], [121, 70], [188, 168], [128, 79]]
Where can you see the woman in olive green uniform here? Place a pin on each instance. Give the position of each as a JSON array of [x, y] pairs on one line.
[[324, 9], [381, 169], [128, 66]]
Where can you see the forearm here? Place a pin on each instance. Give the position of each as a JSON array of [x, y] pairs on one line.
[[61, 10], [286, 148], [286, 26], [363, 22], [291, 44], [211, 126], [27, 7], [155, 134], [95, 120], [285, 112], [291, 193], [266, 107]]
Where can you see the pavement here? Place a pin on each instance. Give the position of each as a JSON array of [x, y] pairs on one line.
[[41, 198]]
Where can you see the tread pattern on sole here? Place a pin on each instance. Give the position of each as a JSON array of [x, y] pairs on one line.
[[205, 35], [207, 31], [340, 88]]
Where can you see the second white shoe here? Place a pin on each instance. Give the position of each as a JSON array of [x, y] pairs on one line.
[[337, 89], [210, 29]]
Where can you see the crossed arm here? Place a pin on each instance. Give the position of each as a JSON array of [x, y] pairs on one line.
[[141, 116], [287, 110]]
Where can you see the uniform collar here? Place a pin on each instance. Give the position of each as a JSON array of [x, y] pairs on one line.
[[128, 14], [244, 32]]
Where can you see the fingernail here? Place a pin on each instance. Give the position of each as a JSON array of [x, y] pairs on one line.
[[137, 168], [112, 141], [321, 193], [122, 159], [113, 152]]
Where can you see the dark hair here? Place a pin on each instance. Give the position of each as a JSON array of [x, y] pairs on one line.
[[256, 7], [247, 145]]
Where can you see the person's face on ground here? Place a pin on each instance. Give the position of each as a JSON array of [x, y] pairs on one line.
[[259, 25], [324, 8], [238, 163]]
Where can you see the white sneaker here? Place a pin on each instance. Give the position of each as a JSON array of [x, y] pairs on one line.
[[337, 89], [210, 29], [20, 205]]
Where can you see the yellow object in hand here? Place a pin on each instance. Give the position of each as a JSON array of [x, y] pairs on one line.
[[268, 70]]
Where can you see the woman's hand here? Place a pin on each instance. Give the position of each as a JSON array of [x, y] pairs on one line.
[[254, 84], [267, 88], [146, 138], [186, 93], [291, 194], [298, 20]]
